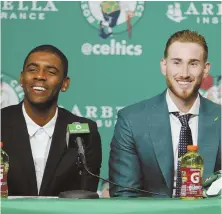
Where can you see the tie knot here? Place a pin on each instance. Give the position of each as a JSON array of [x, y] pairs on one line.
[[184, 119]]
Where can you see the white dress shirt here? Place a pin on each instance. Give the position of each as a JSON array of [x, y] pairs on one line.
[[176, 126], [40, 141]]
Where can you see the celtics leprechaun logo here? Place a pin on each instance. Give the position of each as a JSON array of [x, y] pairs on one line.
[[112, 17]]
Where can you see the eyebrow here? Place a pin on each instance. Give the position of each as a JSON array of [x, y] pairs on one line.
[[48, 67], [52, 67], [194, 60], [191, 60], [31, 64]]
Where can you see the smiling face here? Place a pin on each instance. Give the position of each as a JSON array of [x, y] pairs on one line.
[[184, 69], [43, 78]]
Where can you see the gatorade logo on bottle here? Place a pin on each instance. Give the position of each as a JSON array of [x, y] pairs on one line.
[[195, 177], [191, 182]]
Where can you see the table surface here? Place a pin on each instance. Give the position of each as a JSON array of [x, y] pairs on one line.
[[110, 206]]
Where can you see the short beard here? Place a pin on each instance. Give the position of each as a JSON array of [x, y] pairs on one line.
[[186, 96], [42, 106], [46, 105]]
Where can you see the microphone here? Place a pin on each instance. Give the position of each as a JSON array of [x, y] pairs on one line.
[[77, 129], [74, 131]]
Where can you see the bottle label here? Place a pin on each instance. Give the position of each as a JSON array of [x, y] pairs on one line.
[[191, 182], [3, 179]]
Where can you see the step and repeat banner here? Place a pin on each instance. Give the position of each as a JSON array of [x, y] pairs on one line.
[[110, 65]]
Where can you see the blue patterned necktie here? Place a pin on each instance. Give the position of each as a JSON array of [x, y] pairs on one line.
[[184, 140]]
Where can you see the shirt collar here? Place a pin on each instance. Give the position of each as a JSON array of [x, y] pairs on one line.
[[173, 108], [33, 127]]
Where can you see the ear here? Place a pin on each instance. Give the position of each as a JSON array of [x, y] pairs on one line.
[[206, 69], [163, 66], [65, 84], [21, 79]]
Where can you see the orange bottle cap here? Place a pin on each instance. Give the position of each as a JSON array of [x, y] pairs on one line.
[[193, 148]]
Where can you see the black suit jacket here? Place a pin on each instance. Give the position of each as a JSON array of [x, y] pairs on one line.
[[61, 171]]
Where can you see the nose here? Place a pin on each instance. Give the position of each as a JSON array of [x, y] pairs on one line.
[[185, 71], [40, 75]]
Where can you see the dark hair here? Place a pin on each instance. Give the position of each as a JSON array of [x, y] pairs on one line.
[[187, 36], [50, 49]]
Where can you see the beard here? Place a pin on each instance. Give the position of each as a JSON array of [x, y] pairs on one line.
[[185, 94], [41, 103]]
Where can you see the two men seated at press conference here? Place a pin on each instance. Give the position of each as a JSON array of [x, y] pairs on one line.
[[146, 142]]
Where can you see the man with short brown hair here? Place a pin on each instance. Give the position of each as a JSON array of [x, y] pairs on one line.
[[149, 136]]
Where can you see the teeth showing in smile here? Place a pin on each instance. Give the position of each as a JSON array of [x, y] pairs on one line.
[[183, 83], [39, 88]]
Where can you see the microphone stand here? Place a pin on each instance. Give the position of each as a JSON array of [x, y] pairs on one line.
[[82, 193], [82, 172]]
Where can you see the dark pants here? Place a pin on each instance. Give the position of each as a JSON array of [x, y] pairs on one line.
[[112, 18]]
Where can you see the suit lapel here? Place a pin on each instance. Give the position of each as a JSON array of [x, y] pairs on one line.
[[24, 153], [57, 149], [207, 137], [160, 133]]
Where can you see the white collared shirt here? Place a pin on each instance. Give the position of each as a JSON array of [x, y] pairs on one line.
[[176, 126], [40, 141]]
